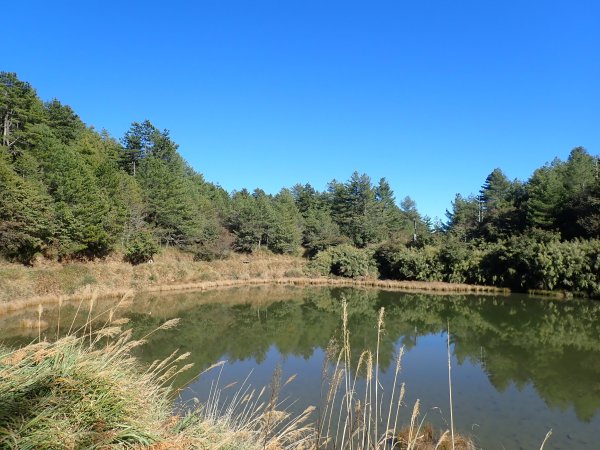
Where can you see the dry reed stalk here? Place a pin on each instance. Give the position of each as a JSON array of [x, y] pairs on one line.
[[275, 387], [441, 440], [396, 371], [548, 434], [412, 433], [380, 324], [40, 310], [75, 317], [369, 383], [60, 302], [450, 388]]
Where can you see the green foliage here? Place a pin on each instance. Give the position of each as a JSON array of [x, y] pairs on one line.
[[143, 140], [548, 264], [250, 219], [141, 248], [63, 121], [25, 215], [545, 194], [20, 111], [215, 249], [82, 210], [320, 232], [285, 234], [345, 261], [260, 221], [355, 210], [170, 206], [464, 219], [395, 260]]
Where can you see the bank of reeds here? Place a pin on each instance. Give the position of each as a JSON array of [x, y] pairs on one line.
[[26, 287]]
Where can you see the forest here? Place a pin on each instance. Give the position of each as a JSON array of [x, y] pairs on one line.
[[69, 192]]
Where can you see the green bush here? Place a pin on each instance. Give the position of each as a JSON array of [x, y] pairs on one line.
[[399, 262], [141, 248], [345, 261]]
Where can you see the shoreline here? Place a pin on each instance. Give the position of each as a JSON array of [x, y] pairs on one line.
[[436, 288]]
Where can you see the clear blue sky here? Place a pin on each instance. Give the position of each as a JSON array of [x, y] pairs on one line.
[[432, 95]]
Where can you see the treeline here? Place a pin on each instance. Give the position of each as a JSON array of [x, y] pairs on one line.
[[70, 192]]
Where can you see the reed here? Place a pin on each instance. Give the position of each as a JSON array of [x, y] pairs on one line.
[[356, 413]]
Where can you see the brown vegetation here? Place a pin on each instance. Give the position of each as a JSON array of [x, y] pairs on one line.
[[24, 287]]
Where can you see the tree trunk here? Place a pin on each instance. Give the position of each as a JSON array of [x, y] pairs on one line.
[[5, 128]]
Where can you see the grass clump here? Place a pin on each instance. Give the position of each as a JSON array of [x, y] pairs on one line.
[[86, 390], [429, 439], [69, 394]]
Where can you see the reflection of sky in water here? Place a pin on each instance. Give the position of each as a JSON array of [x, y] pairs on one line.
[[520, 366]]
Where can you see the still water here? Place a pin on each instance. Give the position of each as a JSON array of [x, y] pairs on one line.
[[520, 365]]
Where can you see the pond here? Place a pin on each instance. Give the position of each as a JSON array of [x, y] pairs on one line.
[[520, 365]]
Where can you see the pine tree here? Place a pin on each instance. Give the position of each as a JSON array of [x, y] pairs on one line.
[[170, 204], [286, 232], [20, 110], [26, 218], [65, 124], [545, 195], [355, 209], [143, 140], [463, 220]]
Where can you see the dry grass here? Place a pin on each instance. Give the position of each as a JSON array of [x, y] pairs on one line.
[[26, 287], [429, 439]]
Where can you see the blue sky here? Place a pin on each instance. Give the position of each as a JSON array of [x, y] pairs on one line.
[[432, 95]]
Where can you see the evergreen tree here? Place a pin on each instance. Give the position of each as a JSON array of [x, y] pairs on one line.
[[495, 192], [499, 201], [355, 209], [580, 172], [249, 220], [20, 110], [320, 232], [63, 121], [143, 140], [545, 195], [25, 215], [84, 224], [170, 203], [285, 232], [464, 219]]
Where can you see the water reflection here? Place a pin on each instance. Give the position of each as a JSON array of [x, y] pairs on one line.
[[528, 349]]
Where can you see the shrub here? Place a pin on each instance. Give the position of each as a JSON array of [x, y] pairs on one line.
[[141, 248], [402, 263], [345, 261]]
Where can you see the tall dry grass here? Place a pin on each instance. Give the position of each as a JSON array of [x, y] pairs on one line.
[[358, 414], [26, 287]]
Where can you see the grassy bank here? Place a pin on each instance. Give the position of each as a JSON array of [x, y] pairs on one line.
[[22, 287]]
